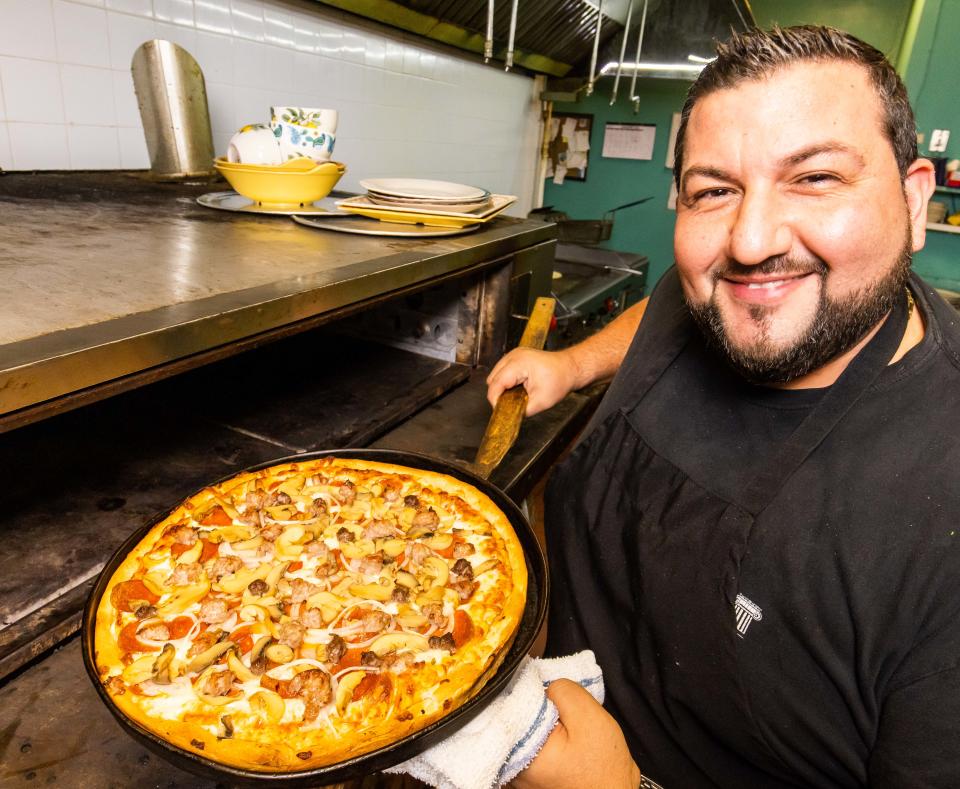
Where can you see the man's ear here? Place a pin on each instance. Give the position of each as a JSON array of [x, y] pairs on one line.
[[918, 186]]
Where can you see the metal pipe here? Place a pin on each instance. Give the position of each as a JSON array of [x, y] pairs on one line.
[[596, 48], [513, 34], [736, 7], [488, 44], [623, 51], [636, 65]]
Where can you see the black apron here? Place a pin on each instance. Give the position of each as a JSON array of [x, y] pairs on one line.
[[645, 567]]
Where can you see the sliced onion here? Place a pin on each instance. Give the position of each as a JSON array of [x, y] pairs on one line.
[[372, 669], [306, 522], [272, 673]]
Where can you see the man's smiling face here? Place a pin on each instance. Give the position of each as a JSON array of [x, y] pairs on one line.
[[793, 234]]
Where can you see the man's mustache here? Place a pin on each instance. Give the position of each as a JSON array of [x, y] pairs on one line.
[[778, 265]]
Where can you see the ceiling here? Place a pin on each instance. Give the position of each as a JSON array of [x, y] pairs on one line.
[[556, 37]]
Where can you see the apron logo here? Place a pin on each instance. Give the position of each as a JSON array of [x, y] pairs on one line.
[[746, 611]]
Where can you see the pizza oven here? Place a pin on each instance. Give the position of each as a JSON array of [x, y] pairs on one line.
[[151, 346]]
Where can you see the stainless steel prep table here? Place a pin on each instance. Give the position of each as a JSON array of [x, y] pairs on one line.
[[106, 276]]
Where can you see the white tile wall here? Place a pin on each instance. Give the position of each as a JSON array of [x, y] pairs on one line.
[[67, 99]]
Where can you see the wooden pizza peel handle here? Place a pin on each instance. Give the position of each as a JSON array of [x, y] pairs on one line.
[[504, 425]]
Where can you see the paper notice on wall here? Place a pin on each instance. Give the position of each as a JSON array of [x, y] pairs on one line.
[[628, 140], [559, 175], [581, 141], [672, 197]]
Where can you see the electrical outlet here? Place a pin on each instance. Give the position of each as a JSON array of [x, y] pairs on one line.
[[938, 140]]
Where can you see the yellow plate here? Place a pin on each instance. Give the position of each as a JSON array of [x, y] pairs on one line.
[[363, 207], [299, 164], [282, 187]]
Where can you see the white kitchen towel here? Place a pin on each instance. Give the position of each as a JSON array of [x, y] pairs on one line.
[[502, 740]]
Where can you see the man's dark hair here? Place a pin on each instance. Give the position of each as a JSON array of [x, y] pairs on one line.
[[760, 53]]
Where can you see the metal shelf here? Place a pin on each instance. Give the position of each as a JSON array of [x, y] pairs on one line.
[[943, 227]]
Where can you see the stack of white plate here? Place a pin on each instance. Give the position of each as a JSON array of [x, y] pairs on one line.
[[419, 193]]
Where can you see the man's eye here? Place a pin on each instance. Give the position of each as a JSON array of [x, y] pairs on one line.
[[818, 178], [708, 194]]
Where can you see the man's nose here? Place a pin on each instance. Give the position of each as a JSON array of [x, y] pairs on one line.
[[760, 230]]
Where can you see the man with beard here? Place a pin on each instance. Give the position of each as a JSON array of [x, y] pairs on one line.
[[758, 533]]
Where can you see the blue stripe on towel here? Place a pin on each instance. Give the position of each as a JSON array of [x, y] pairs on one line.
[[534, 727]]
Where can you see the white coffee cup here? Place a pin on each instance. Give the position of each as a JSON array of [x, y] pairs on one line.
[[255, 144], [305, 131]]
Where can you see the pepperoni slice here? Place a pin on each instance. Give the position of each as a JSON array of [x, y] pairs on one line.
[[217, 517], [179, 627], [462, 627], [243, 638], [350, 659], [210, 549], [376, 686]]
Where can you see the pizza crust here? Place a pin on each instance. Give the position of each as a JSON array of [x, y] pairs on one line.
[[394, 704]]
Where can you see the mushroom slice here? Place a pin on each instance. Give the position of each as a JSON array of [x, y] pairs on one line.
[[437, 567], [279, 653], [345, 688], [393, 548], [139, 671], [205, 659], [399, 642], [483, 567], [420, 531], [275, 575], [268, 705], [192, 554], [162, 665], [236, 582], [412, 621], [357, 549], [440, 542], [406, 579], [236, 666], [247, 545], [372, 591], [184, 597], [258, 661]]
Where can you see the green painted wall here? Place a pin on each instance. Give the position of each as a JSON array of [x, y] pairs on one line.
[[646, 229], [931, 78], [878, 22]]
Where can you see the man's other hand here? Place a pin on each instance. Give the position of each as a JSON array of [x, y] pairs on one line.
[[586, 750], [546, 375]]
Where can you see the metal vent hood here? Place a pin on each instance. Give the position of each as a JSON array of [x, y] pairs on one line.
[[556, 37]]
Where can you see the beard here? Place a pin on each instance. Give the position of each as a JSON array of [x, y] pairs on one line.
[[838, 323]]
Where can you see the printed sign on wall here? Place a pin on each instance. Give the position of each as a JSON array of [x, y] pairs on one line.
[[628, 140]]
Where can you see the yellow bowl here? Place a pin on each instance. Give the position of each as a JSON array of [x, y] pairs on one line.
[[282, 187]]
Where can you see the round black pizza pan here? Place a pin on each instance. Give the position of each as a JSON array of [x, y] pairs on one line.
[[533, 615]]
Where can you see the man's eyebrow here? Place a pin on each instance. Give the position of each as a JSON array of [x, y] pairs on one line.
[[706, 172], [822, 148]]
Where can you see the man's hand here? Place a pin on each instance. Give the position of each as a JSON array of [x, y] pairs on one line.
[[548, 377], [585, 751]]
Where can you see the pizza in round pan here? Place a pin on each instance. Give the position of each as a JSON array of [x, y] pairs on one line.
[[296, 616]]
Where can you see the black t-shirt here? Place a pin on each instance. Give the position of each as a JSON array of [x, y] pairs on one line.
[[852, 673]]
